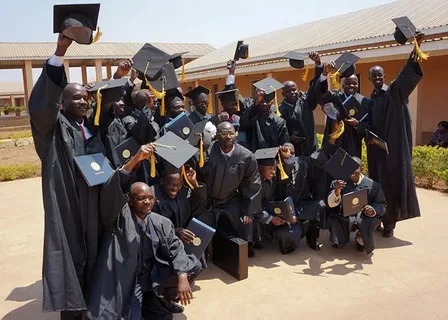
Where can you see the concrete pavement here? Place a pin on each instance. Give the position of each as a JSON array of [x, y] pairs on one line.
[[405, 279]]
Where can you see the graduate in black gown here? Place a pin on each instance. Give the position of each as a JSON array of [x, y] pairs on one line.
[[365, 221], [200, 98], [72, 224], [263, 127], [233, 184], [142, 267], [390, 119], [174, 103]]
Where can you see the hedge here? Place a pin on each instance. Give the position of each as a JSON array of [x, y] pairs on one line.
[[21, 171]]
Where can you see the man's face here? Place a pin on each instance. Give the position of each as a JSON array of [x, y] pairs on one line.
[[267, 172], [377, 77], [171, 185], [350, 85], [226, 137], [118, 108], [75, 102], [175, 109], [264, 106], [230, 107], [142, 200], [291, 93], [201, 103], [355, 175]]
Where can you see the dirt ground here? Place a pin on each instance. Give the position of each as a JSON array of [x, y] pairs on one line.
[[10, 155]]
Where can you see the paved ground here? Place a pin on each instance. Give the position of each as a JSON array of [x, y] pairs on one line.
[[405, 279]]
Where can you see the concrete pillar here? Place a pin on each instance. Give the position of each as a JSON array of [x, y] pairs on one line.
[[67, 69], [416, 115], [196, 83], [13, 100], [84, 74], [269, 75], [98, 70], [27, 72], [109, 71]]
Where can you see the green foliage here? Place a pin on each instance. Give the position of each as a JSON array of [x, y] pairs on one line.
[[22, 171]]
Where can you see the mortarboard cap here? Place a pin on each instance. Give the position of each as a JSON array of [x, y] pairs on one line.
[[345, 64], [404, 30], [377, 141], [95, 168], [341, 165], [127, 149], [156, 58], [181, 125], [174, 150], [167, 79], [176, 59], [331, 111], [229, 93], [296, 60], [203, 235], [111, 91], [266, 157], [76, 21], [269, 86], [197, 132], [196, 92], [241, 51]]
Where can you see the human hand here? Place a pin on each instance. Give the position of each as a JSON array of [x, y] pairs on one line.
[[231, 66], [352, 122], [123, 69], [276, 221], [247, 220], [223, 116], [340, 184], [285, 152], [329, 68], [184, 290], [191, 175], [369, 211], [144, 152], [62, 45], [315, 57], [185, 235]]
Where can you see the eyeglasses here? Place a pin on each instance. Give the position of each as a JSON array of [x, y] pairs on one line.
[[141, 199], [227, 134]]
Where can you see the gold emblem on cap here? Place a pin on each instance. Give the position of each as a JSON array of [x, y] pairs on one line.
[[197, 241], [95, 166], [352, 112], [277, 210], [355, 201], [186, 130], [126, 153]]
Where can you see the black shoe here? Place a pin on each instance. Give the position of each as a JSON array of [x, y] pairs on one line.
[[257, 245], [250, 251], [388, 233], [172, 306], [315, 244], [335, 246], [360, 247]]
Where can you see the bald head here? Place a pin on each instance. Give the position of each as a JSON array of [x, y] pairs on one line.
[[376, 76], [353, 77], [225, 126], [142, 98], [358, 161], [375, 69], [74, 101], [139, 187], [290, 92], [289, 83]]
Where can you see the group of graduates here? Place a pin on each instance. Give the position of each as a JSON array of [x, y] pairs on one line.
[[116, 250]]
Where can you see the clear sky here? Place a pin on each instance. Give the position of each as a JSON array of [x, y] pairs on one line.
[[208, 21]]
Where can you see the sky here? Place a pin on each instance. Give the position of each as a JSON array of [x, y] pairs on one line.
[[196, 21]]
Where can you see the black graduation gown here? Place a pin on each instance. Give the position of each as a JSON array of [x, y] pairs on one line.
[[263, 132], [390, 119], [300, 117], [72, 226], [233, 188], [340, 226], [235, 120], [196, 117]]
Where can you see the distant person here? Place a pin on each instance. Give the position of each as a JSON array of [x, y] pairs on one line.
[[440, 137]]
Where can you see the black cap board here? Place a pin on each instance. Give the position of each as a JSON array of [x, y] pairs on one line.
[[196, 92], [269, 86], [296, 60], [197, 132], [341, 165], [95, 168], [156, 58], [203, 235], [346, 64], [127, 149], [241, 51], [76, 21], [331, 111], [181, 125], [174, 150], [167, 79], [111, 91], [319, 158], [285, 209], [266, 157], [404, 30], [229, 93], [377, 141], [176, 59]]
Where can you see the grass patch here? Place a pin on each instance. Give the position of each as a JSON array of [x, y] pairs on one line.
[[21, 171], [15, 135]]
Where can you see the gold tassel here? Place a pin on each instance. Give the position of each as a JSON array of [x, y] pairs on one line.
[[183, 70], [97, 36], [162, 107], [248, 56], [159, 95], [237, 100], [305, 74], [99, 98], [283, 175], [339, 131], [277, 109], [184, 174], [419, 54], [334, 78], [210, 104], [153, 165], [201, 152]]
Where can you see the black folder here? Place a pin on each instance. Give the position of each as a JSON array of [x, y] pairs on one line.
[[95, 168], [377, 141], [204, 233], [181, 126], [354, 202], [283, 209], [127, 149], [231, 255]]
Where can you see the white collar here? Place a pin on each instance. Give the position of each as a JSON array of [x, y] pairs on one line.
[[229, 154]]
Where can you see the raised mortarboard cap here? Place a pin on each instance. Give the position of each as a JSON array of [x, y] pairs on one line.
[[176, 59], [197, 132], [151, 60], [111, 91], [404, 30], [174, 150], [266, 157], [127, 149], [241, 51], [181, 125], [76, 21], [229, 93], [341, 165], [269, 86], [296, 60], [167, 79], [95, 168], [345, 64], [196, 92]]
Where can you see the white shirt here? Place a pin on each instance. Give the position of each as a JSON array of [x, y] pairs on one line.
[[56, 61], [230, 79], [87, 132]]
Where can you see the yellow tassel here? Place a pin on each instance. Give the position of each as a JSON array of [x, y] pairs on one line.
[[334, 78], [210, 104], [201, 152], [99, 98], [277, 109], [183, 70], [162, 107], [419, 54], [248, 56], [237, 100], [283, 175], [153, 165], [159, 95], [97, 36], [184, 174], [339, 131], [305, 74]]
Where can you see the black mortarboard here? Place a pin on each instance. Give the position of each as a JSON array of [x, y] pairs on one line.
[[331, 111], [345, 64], [181, 125], [296, 60], [111, 90], [197, 132], [127, 149], [341, 165], [404, 30], [269, 86], [76, 21], [174, 150], [176, 59], [156, 58], [229, 93], [167, 80], [377, 141], [95, 168], [241, 51], [319, 158], [266, 157], [285, 209], [196, 92], [203, 235]]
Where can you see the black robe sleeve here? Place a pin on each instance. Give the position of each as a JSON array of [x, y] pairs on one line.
[[312, 95], [407, 79], [250, 188]]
